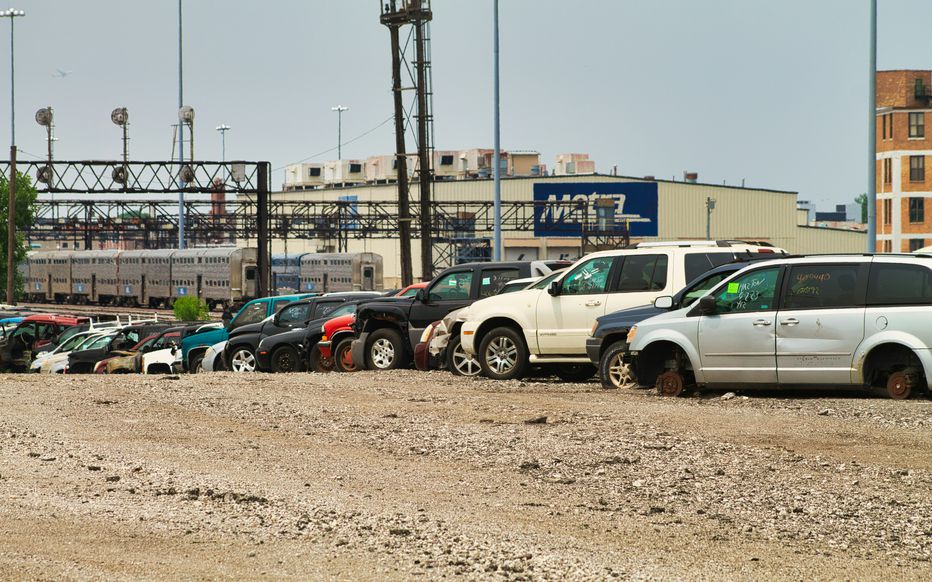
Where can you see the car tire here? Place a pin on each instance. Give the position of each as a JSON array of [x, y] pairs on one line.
[[242, 360], [342, 361], [317, 362], [458, 361], [284, 360], [503, 355], [575, 372], [197, 364], [613, 372], [386, 350]]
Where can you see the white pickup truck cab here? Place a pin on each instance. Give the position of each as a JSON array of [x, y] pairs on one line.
[[508, 333]]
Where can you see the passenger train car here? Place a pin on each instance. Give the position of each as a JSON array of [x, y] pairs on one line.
[[219, 275]]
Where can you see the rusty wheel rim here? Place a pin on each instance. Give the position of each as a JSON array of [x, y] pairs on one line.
[[899, 386], [346, 360], [670, 384]]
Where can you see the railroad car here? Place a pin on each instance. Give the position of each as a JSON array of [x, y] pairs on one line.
[[330, 272], [94, 276], [286, 273]]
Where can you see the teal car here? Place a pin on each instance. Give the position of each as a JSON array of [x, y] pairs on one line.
[[194, 346]]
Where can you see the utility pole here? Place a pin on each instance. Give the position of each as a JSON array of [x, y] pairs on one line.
[[872, 138], [709, 207], [423, 150], [339, 109], [11, 203], [180, 132]]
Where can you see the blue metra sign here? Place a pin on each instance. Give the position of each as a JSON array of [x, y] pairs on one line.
[[182, 290], [127, 289], [79, 287], [635, 205], [309, 286]]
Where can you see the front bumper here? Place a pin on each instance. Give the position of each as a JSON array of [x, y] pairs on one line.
[[263, 360], [325, 349], [594, 349], [358, 351]]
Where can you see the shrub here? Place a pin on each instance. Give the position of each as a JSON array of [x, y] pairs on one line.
[[191, 309]]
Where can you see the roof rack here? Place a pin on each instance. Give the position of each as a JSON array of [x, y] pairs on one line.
[[697, 243]]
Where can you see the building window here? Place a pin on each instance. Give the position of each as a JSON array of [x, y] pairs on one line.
[[917, 124], [888, 211], [313, 172], [916, 243], [917, 168], [890, 126], [888, 170], [917, 210], [355, 168], [884, 126], [446, 160]]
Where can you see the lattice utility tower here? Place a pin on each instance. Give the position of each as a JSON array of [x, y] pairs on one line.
[[414, 57]]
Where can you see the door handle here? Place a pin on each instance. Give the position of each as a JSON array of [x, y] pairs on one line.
[[593, 303], [790, 321], [762, 322]]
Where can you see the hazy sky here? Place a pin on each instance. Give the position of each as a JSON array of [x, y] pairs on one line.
[[773, 92]]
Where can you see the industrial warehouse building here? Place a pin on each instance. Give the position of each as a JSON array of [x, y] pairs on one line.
[[650, 209]]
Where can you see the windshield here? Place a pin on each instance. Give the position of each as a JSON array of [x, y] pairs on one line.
[[410, 292], [252, 313], [545, 282], [73, 341], [342, 310], [702, 287]]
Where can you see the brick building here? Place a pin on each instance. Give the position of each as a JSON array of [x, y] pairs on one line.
[[904, 150]]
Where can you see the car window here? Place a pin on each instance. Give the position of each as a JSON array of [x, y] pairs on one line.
[[278, 304], [702, 287], [97, 343], [695, 264], [85, 341], [73, 341], [324, 309], [752, 291], [28, 330], [494, 279], [642, 273], [589, 277], [295, 313], [252, 313], [512, 287], [821, 286], [410, 292], [452, 286], [899, 284]]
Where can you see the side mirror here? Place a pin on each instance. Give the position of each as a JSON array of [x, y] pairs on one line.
[[421, 295], [555, 288], [705, 305], [663, 302]]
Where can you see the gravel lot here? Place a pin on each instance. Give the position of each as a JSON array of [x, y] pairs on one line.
[[409, 475]]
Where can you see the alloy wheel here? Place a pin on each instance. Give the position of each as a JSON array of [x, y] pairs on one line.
[[464, 363], [620, 373], [501, 355], [243, 361], [382, 353]]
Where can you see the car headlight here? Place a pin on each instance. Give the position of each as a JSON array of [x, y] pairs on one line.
[[323, 328], [595, 326], [425, 335], [631, 333]]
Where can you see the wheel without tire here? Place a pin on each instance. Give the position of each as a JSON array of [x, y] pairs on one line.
[[243, 360], [503, 355], [902, 384], [342, 358], [285, 360], [574, 372], [385, 350], [318, 363], [613, 371], [458, 361], [671, 383]]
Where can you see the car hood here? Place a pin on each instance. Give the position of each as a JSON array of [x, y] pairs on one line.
[[287, 337], [248, 328], [629, 317], [507, 302], [88, 355]]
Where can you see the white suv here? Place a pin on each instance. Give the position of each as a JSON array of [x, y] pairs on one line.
[[844, 320], [507, 333]]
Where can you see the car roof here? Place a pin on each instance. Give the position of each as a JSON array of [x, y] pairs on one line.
[[52, 318]]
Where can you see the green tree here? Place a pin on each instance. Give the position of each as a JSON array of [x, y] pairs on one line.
[[191, 309], [862, 200], [25, 217]]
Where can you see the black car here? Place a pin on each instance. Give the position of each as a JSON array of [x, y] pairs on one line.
[[607, 345], [239, 355], [388, 330], [293, 351], [83, 362]]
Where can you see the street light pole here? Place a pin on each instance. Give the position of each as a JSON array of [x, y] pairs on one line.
[[709, 207], [339, 109], [223, 128], [180, 132], [12, 14], [497, 157], [872, 139]]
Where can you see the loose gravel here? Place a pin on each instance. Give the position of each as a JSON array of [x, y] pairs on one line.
[[407, 475]]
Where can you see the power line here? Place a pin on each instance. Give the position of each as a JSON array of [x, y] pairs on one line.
[[347, 142]]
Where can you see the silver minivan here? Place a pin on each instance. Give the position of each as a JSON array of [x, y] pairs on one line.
[[809, 321]]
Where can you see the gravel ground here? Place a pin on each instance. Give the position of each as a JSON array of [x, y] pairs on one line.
[[409, 475]]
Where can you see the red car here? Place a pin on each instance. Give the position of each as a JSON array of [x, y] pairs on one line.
[[33, 332], [334, 346]]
